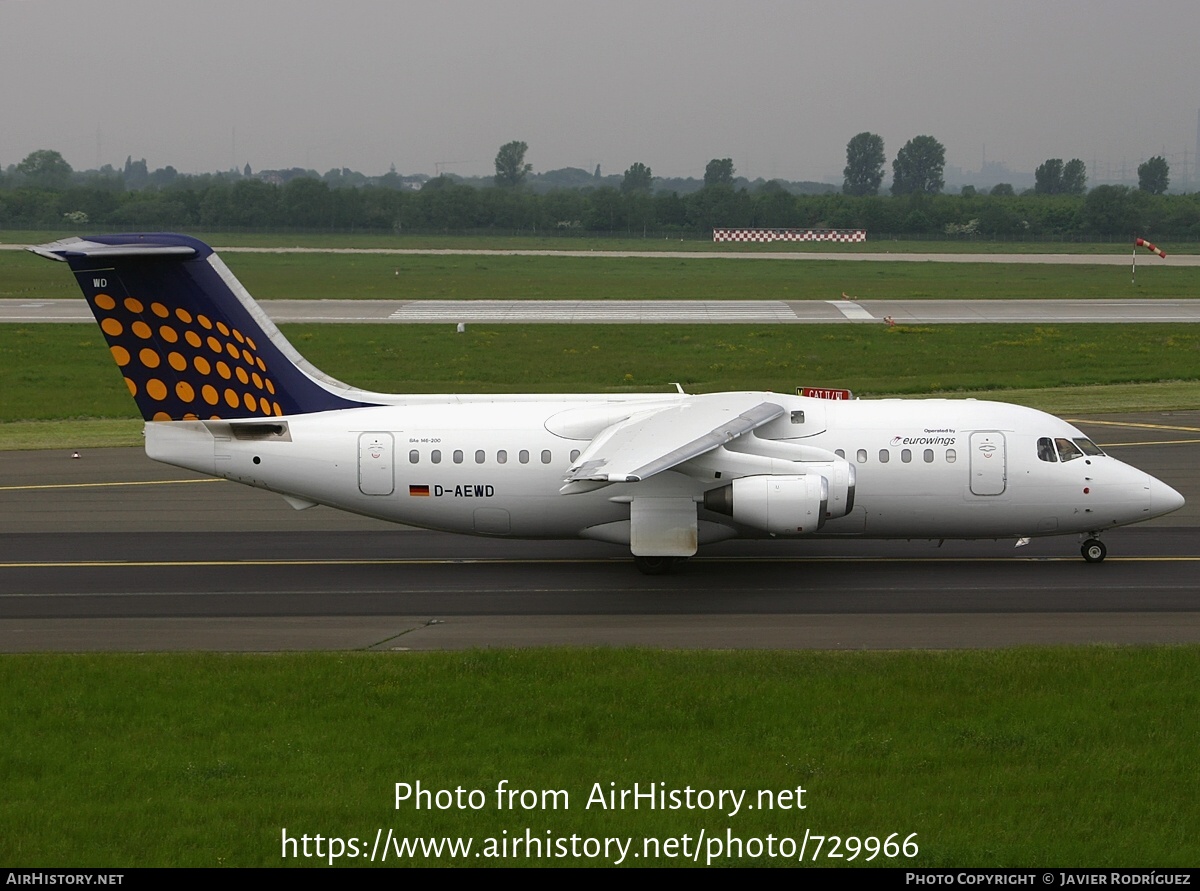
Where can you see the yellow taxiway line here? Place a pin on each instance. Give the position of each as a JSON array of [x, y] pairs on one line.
[[109, 485], [1141, 425]]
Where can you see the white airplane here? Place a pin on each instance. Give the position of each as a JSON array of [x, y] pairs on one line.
[[224, 393]]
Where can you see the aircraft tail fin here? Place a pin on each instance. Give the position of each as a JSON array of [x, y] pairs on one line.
[[189, 339]]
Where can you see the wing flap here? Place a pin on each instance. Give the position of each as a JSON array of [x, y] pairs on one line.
[[652, 441]]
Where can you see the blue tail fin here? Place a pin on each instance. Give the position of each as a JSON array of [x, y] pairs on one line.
[[190, 341]]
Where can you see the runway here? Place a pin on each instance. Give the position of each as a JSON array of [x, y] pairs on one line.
[[787, 312], [113, 551]]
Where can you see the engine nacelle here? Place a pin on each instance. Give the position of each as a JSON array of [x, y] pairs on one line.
[[752, 456], [841, 477], [778, 504]]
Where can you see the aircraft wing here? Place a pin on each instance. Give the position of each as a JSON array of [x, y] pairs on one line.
[[655, 440]]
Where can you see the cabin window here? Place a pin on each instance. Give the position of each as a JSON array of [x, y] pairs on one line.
[[480, 456], [436, 456], [523, 456], [1067, 450], [862, 456], [951, 456], [884, 456], [906, 455], [502, 457], [574, 455], [414, 456], [1045, 449], [545, 456], [841, 453], [458, 456], [797, 417], [928, 456]]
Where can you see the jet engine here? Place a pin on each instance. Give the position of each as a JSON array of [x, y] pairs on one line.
[[781, 460], [778, 504]]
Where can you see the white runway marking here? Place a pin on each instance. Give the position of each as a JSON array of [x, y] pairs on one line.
[[850, 309], [594, 311]]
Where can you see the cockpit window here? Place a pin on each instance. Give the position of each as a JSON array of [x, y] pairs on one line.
[[1067, 450], [1046, 450], [1089, 447]]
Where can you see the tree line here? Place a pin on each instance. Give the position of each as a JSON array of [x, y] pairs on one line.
[[47, 194], [919, 165]]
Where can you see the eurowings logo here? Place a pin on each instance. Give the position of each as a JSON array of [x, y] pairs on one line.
[[923, 440]]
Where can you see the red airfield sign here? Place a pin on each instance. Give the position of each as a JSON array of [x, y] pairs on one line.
[[824, 393]]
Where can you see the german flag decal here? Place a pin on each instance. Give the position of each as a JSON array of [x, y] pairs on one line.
[[419, 491]]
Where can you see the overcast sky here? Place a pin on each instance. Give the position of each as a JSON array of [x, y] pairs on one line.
[[778, 86]]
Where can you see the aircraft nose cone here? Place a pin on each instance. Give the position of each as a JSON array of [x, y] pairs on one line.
[[1163, 499]]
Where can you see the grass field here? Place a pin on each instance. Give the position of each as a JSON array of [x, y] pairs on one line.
[[466, 277], [57, 372], [586, 278], [1068, 757]]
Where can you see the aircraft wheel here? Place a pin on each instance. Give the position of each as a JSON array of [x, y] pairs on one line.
[[655, 565], [1093, 550]]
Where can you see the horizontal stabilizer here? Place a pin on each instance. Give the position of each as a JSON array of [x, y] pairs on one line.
[[69, 248]]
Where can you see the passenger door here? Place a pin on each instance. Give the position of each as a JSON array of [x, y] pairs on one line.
[[989, 463], [376, 475]]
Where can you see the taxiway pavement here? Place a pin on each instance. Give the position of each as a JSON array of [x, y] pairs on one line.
[[111, 551]]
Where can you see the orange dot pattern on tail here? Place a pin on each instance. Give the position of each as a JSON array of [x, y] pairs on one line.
[[182, 367]]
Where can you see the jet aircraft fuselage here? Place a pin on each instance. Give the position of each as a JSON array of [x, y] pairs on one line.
[[930, 468]]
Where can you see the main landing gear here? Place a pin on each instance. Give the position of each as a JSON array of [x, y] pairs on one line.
[[656, 565], [1093, 550]]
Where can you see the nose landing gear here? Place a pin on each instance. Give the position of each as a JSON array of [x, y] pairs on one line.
[[1093, 550]]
